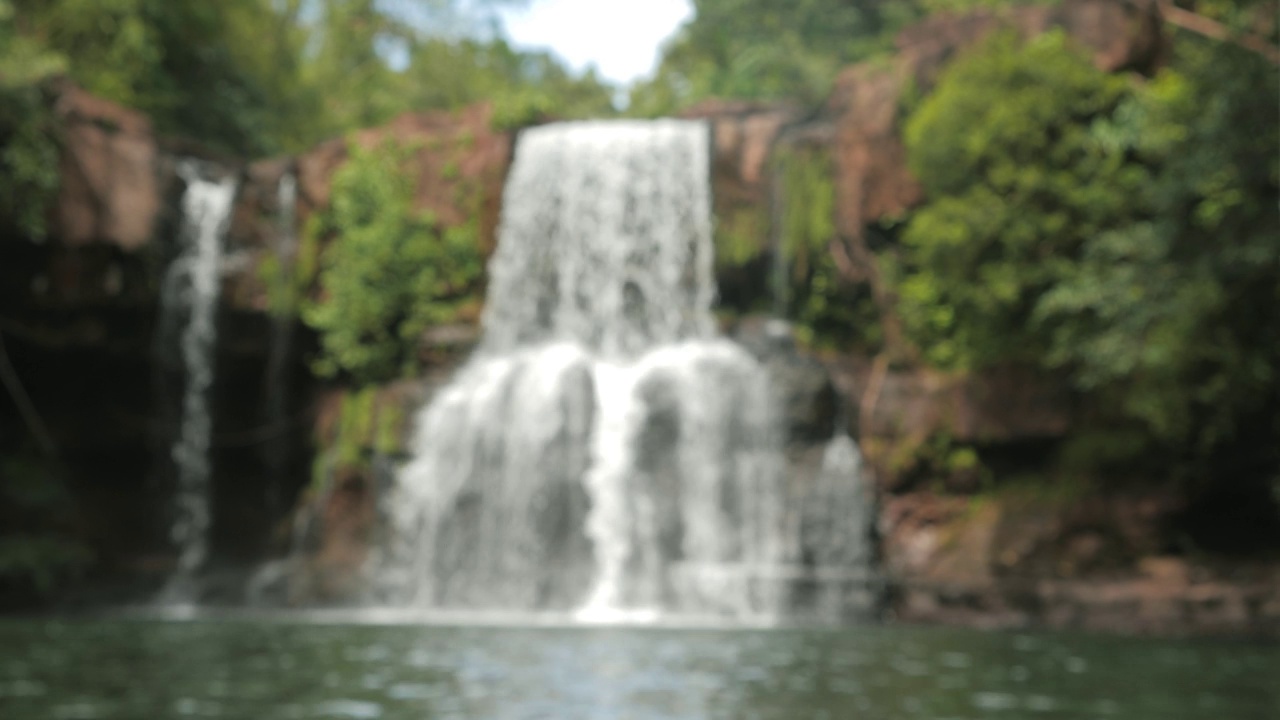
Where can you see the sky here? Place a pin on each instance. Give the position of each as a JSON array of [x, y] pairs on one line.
[[620, 37]]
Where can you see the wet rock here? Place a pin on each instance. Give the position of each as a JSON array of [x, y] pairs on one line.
[[806, 393], [1015, 560]]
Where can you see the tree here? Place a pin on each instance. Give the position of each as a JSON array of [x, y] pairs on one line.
[[1176, 318], [767, 49], [447, 74], [1121, 232], [28, 137], [389, 272], [1016, 183]]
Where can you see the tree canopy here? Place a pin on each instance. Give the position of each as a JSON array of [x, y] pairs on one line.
[[1122, 231], [258, 77]]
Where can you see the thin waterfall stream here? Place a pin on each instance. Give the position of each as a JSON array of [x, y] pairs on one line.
[[280, 344], [189, 300]]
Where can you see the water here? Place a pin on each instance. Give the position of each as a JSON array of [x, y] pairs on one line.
[[280, 345], [604, 450], [188, 306], [267, 670]]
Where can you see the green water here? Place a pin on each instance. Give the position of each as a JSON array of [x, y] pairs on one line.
[[260, 670]]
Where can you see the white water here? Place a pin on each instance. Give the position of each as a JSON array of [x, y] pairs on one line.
[[605, 452], [189, 299]]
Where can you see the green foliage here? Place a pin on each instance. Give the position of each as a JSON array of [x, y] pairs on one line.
[[389, 429], [255, 77], [939, 458], [28, 133], [33, 500], [770, 49], [828, 311], [740, 233], [525, 87], [1121, 233], [40, 561], [24, 61], [1016, 182], [767, 49], [369, 422], [961, 6], [389, 272], [355, 426], [288, 280], [1175, 317], [204, 70]]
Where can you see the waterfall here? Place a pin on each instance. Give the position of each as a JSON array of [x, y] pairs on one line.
[[280, 344], [605, 451], [188, 304]]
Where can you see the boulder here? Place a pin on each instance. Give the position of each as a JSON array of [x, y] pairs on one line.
[[110, 189], [1090, 563], [895, 412], [804, 389], [998, 405]]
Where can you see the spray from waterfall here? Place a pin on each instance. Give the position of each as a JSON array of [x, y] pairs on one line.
[[188, 299]]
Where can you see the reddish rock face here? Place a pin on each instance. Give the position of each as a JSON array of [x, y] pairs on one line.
[[1003, 405], [902, 409], [743, 135], [110, 189], [456, 154], [1094, 563], [743, 132], [459, 161], [872, 179]]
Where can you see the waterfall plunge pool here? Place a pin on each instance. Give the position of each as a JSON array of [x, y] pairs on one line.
[[320, 665]]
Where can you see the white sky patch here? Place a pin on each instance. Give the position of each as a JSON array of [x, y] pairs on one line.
[[620, 37]]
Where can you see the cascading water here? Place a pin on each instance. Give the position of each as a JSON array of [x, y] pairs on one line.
[[604, 451], [188, 299], [275, 447]]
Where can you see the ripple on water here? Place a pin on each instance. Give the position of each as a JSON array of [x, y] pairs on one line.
[[992, 701], [194, 707], [354, 709], [412, 691], [78, 711], [23, 689], [1040, 703]]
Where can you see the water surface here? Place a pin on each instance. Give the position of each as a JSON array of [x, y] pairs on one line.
[[260, 670]]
